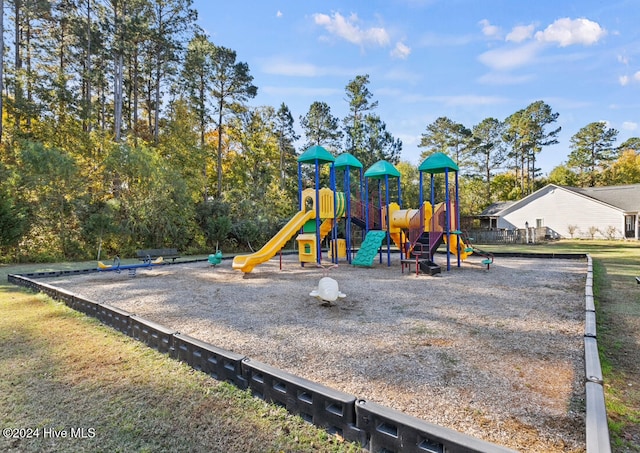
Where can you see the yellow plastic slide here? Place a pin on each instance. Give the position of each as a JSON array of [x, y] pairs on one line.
[[246, 263], [453, 246], [325, 228]]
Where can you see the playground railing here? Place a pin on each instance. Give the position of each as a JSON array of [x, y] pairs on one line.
[[359, 210], [416, 227]]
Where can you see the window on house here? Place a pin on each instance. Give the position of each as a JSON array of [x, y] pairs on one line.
[[539, 223], [629, 221]]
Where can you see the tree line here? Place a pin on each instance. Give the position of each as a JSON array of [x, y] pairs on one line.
[[123, 126]]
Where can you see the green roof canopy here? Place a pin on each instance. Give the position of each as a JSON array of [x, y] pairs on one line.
[[438, 163], [316, 152], [381, 169], [346, 159]]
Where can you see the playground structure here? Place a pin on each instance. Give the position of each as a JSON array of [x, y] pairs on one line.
[[118, 267], [215, 258], [417, 233]]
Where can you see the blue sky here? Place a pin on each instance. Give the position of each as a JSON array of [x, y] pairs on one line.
[[464, 59]]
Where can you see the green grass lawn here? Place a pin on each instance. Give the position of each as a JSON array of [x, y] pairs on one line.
[[61, 370], [617, 296], [64, 374]]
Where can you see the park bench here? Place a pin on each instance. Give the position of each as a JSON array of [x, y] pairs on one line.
[[150, 254]]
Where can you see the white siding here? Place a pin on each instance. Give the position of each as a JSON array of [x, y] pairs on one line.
[[560, 208]]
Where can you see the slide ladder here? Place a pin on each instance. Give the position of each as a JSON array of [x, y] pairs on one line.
[[369, 248]]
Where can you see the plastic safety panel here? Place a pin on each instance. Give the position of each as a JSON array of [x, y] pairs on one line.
[[114, 317], [86, 306], [152, 334], [218, 363], [593, 372], [590, 324], [393, 431], [596, 425], [315, 403]]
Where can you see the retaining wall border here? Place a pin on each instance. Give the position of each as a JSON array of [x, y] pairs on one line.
[[375, 427]]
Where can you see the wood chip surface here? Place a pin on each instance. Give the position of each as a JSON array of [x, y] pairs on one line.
[[496, 354]]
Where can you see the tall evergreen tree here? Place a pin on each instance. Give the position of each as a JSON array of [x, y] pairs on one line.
[[321, 127], [377, 143], [359, 98], [487, 150], [287, 137], [632, 143], [169, 20], [592, 148], [197, 79], [448, 137], [1, 71], [232, 87], [526, 133]]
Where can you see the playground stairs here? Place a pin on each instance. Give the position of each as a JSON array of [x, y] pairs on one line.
[[421, 251], [429, 267], [431, 241], [369, 248]]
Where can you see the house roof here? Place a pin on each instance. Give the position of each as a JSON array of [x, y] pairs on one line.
[[495, 208], [625, 197]]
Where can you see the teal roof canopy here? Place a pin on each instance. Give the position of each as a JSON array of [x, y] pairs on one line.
[[346, 159], [316, 152], [438, 163], [381, 169]]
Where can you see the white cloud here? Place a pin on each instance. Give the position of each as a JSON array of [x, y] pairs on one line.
[[491, 31], [456, 100], [520, 33], [511, 57], [566, 32], [292, 91], [429, 39], [350, 30], [629, 126], [623, 80], [401, 51], [636, 76], [471, 99], [622, 59], [400, 75], [285, 67], [501, 78]]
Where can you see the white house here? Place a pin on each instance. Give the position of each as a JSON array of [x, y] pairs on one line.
[[563, 212]]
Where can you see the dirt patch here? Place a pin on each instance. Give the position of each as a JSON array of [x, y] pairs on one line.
[[496, 354]]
